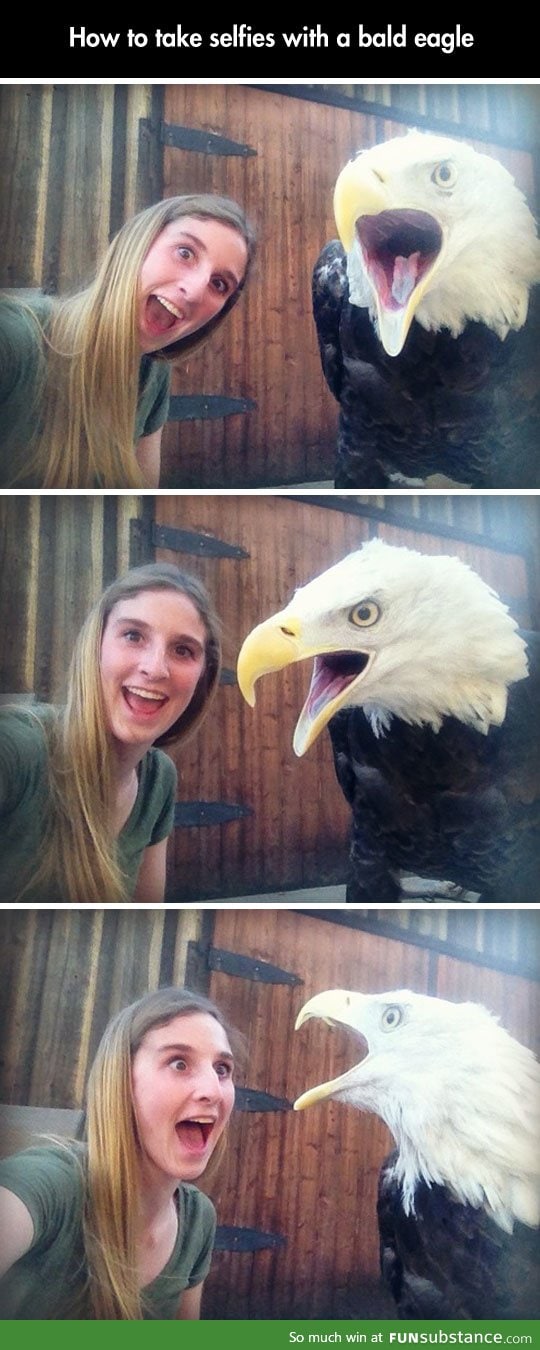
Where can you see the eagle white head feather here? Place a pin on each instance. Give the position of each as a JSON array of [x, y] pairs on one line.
[[398, 633], [460, 1096], [436, 231]]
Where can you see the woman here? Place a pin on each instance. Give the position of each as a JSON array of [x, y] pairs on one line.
[[115, 1228], [85, 379], [86, 795]]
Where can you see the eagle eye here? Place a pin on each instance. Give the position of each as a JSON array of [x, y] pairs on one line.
[[364, 614], [391, 1017], [444, 175]]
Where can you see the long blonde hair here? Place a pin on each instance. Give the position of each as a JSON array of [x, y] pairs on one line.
[[114, 1149], [87, 384], [79, 855]]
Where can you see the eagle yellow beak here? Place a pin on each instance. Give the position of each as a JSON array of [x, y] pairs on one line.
[[358, 192], [278, 643], [334, 1005], [362, 191], [270, 646]]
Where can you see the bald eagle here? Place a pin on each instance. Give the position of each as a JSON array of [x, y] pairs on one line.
[[431, 695], [459, 1198], [427, 323]]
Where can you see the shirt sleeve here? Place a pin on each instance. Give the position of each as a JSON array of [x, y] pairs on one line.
[[46, 1180], [22, 753], [157, 397], [165, 821], [19, 360], [207, 1227]]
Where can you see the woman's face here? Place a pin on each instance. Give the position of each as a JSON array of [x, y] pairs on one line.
[[152, 657], [190, 271], [183, 1094]]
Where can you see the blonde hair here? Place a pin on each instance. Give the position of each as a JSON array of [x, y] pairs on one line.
[[115, 1149], [79, 854], [88, 379]]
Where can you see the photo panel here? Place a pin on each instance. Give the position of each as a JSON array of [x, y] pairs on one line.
[[296, 1192], [255, 819]]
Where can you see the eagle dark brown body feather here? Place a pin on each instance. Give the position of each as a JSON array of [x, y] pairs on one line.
[[455, 804], [466, 407], [450, 1260]]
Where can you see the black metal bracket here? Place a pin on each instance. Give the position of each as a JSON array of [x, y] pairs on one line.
[[206, 407], [249, 968], [202, 142], [249, 1099], [231, 1239], [189, 814], [189, 541]]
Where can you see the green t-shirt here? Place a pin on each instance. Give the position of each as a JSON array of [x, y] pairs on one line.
[[20, 351], [49, 1280], [25, 799]]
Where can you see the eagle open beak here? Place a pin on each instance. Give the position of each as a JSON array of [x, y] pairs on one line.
[[334, 1005], [401, 247], [278, 643]]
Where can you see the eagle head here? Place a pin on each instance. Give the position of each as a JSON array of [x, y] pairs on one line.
[[436, 231], [398, 633], [459, 1094]]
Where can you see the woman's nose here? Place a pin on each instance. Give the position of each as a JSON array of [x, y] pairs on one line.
[[194, 284], [154, 661], [207, 1085]]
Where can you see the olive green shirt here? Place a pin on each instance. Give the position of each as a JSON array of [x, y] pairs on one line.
[[49, 1281], [20, 355], [25, 802]]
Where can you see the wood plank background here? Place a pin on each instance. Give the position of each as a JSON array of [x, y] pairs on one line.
[[65, 973], [56, 554], [75, 162]]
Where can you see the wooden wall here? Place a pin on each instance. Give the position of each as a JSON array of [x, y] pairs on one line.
[[77, 161], [65, 973], [70, 174], [56, 555], [251, 552]]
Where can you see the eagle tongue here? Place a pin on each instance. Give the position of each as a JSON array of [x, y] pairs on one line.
[[405, 277]]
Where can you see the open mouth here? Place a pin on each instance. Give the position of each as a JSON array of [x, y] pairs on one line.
[[161, 314], [144, 702], [334, 1086], [399, 248], [332, 674], [194, 1134]]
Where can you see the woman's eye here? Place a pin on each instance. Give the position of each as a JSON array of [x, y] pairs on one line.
[[132, 635], [220, 285], [178, 1064], [224, 1070], [185, 252]]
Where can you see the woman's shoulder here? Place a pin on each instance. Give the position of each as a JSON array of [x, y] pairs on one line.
[[160, 771], [49, 1178], [26, 722], [22, 317], [44, 1166], [196, 1202], [154, 391], [25, 726]]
